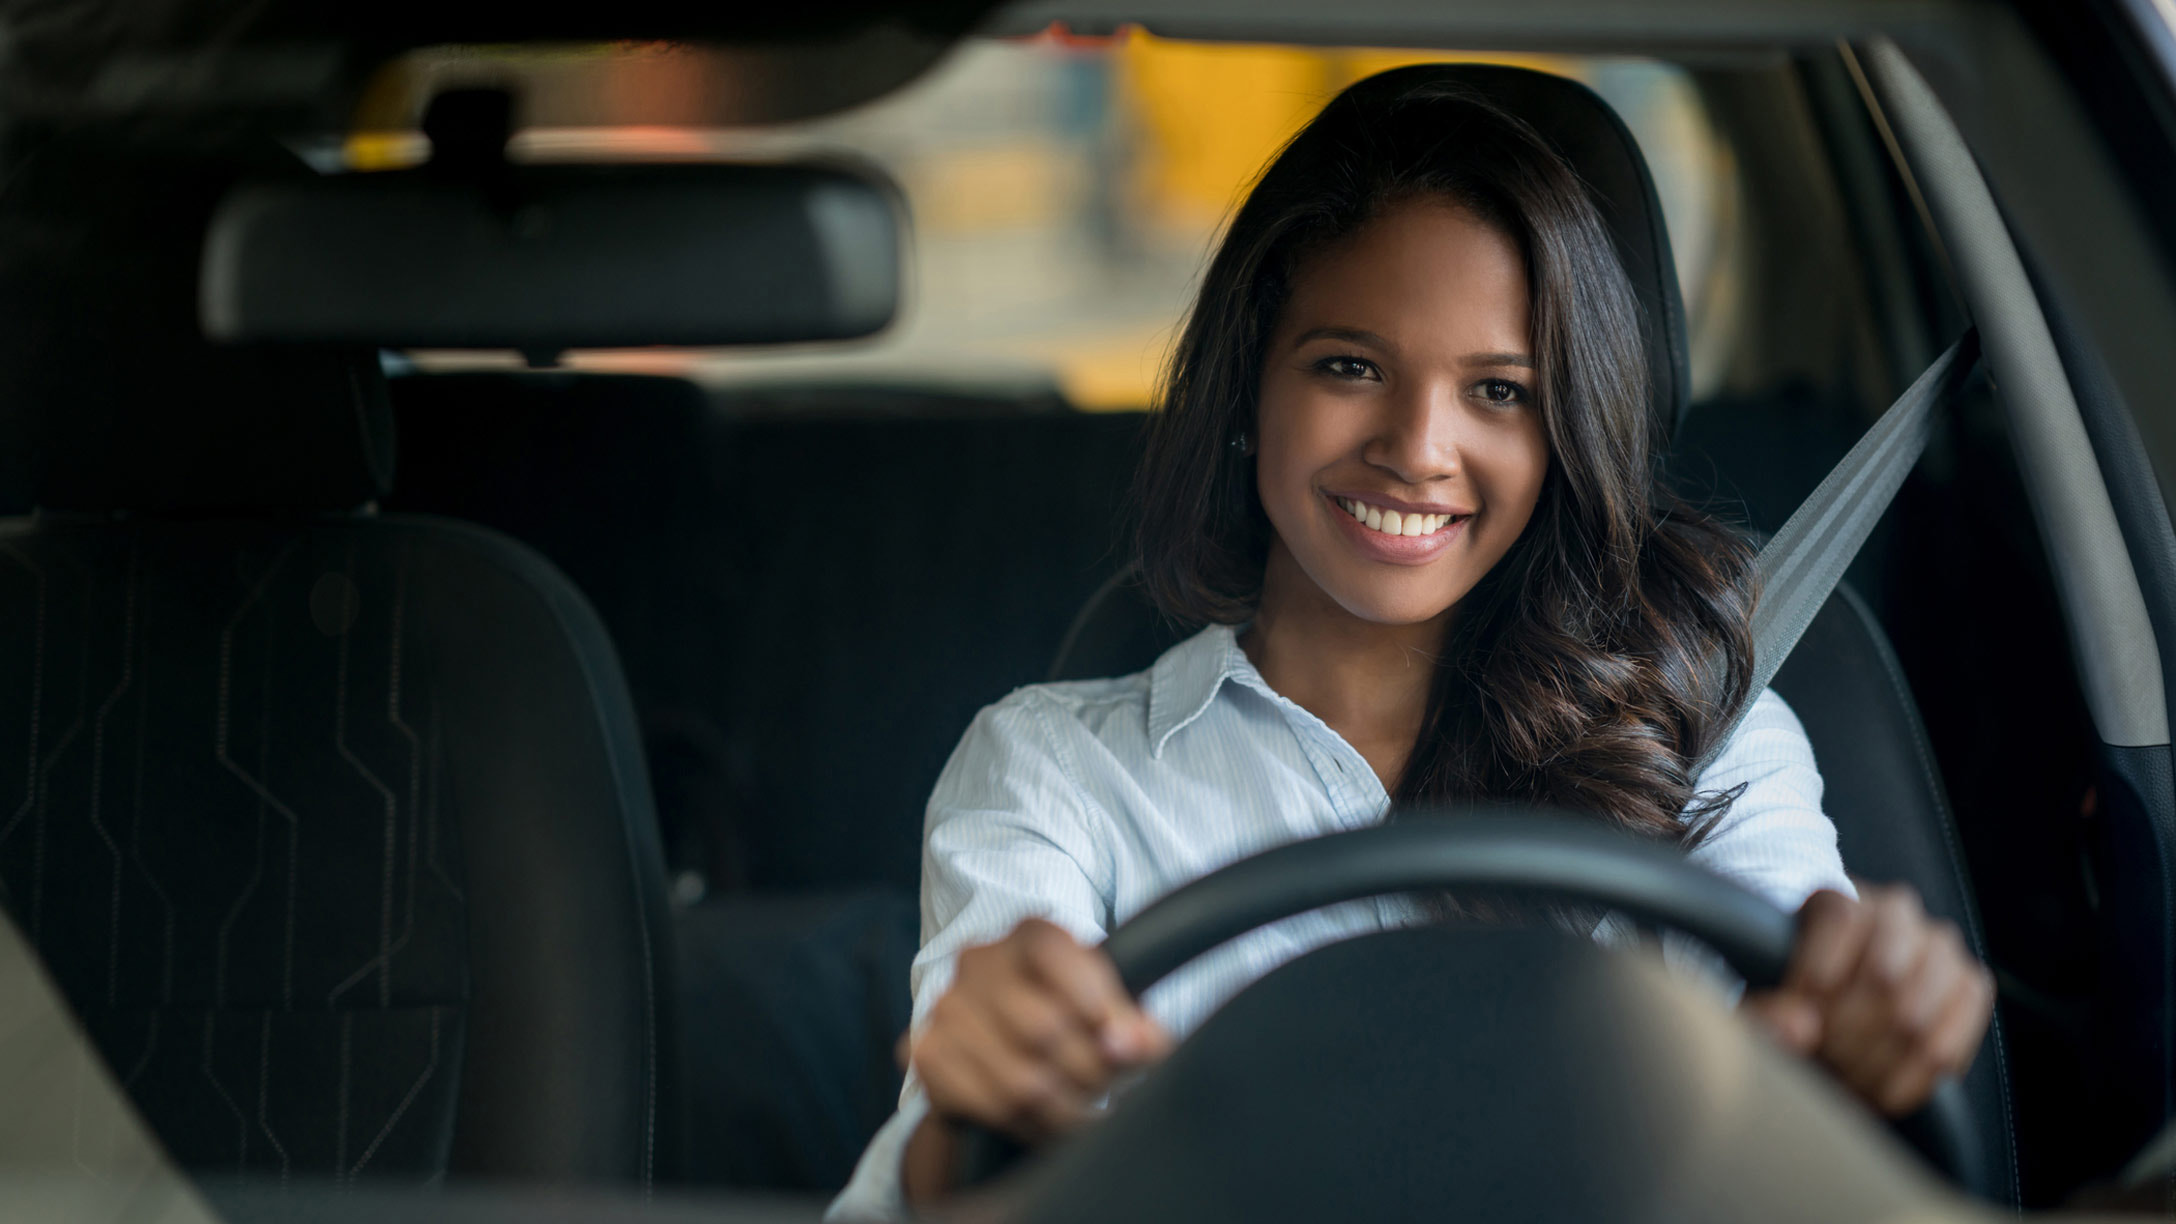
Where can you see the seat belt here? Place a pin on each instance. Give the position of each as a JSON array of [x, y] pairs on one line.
[[1797, 570], [1802, 563]]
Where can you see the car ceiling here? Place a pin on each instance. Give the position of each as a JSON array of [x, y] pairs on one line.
[[301, 64]]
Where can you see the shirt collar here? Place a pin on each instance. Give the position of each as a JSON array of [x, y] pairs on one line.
[[1187, 677]]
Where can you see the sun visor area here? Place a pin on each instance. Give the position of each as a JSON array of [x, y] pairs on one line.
[[545, 258]]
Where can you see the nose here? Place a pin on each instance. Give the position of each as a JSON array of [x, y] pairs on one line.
[[1419, 436]]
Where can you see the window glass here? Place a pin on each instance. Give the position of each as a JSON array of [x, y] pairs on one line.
[[1066, 192]]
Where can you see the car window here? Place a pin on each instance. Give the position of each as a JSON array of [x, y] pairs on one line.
[[1065, 193]]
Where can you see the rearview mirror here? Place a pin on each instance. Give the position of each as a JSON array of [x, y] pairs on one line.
[[548, 258]]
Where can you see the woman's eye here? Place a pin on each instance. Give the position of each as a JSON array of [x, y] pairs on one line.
[[1501, 391], [1354, 368]]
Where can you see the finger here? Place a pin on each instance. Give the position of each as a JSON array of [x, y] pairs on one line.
[[1898, 940], [1902, 1072], [1862, 1009], [1082, 977], [1906, 1088], [1884, 1022], [954, 1059], [1832, 931], [1791, 1019], [1007, 1090], [1151, 1041], [1043, 1030], [1940, 974], [1042, 1103], [955, 1081], [1088, 983], [1955, 1039], [1914, 1005], [1945, 1049]]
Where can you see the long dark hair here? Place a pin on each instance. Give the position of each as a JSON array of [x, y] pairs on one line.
[[1592, 665]]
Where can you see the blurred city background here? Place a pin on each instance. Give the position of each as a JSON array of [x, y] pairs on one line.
[[1065, 192]]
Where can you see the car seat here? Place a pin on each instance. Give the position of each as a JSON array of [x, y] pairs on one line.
[[332, 826]]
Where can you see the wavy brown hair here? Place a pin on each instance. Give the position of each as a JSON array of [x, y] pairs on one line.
[[1594, 663]]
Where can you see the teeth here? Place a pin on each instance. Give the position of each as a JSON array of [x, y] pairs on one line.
[[1391, 522]]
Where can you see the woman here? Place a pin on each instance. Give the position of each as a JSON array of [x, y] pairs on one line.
[[1403, 471]]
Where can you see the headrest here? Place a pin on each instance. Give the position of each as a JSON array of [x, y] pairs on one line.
[[110, 397], [1588, 134]]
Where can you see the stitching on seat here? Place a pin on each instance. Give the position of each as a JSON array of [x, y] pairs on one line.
[[382, 963], [1923, 752], [264, 1087], [414, 1090], [241, 1121], [255, 782]]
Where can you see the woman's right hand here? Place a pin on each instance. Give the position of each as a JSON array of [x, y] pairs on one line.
[[1030, 1035]]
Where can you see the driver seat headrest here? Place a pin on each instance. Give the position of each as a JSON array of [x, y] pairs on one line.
[[1590, 136], [110, 397]]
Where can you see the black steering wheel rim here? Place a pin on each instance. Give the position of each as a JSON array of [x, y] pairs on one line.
[[1530, 851]]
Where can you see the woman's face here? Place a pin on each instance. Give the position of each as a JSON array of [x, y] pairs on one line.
[[1401, 452]]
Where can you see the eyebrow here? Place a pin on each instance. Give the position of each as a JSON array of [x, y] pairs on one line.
[[1358, 336], [1353, 334]]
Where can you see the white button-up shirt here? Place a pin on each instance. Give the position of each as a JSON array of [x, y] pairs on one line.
[[1083, 802]]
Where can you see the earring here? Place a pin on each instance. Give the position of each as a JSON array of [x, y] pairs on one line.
[[1239, 442]]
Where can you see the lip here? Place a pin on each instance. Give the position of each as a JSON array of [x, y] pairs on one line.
[[1392, 503], [1395, 550]]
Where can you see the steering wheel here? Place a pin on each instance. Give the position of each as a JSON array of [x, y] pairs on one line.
[[1524, 850]]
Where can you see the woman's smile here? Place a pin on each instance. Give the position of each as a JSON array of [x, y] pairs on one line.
[[1379, 529], [1398, 398]]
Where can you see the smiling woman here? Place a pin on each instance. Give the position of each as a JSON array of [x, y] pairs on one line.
[[1404, 472], [1419, 309], [1390, 413], [1399, 460]]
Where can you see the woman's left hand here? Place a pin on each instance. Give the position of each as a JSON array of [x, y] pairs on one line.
[[1888, 998]]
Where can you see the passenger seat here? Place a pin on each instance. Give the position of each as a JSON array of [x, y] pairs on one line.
[[332, 826]]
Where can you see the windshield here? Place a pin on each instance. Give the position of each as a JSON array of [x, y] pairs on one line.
[[1065, 192]]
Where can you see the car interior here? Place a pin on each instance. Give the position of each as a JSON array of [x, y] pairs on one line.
[[474, 667]]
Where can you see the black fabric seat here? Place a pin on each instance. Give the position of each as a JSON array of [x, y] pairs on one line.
[[332, 826], [1883, 791], [800, 678], [802, 667], [792, 1001]]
